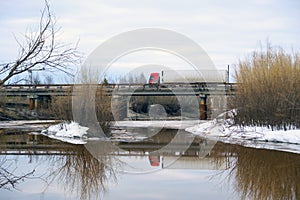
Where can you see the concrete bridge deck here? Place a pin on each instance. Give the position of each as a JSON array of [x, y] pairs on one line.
[[182, 89]]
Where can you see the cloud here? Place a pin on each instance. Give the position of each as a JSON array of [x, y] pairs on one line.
[[226, 30]]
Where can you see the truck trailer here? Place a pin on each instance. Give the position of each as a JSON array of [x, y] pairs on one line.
[[189, 76]]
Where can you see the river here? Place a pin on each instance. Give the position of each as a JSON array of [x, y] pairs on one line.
[[169, 164]]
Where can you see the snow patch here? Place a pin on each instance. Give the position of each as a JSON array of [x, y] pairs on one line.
[[67, 132], [251, 136]]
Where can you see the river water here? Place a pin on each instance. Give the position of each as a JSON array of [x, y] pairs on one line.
[[170, 164]]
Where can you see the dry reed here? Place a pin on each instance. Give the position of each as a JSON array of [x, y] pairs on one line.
[[61, 107], [268, 93]]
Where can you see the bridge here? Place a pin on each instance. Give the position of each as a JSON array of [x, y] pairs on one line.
[[42, 94], [182, 89]]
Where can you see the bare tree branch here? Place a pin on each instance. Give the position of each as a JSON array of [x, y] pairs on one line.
[[8, 179], [41, 50]]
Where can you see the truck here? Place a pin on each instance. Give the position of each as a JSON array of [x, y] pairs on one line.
[[188, 76]]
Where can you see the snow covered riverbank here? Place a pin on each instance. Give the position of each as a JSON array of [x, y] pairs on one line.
[[250, 136], [219, 129]]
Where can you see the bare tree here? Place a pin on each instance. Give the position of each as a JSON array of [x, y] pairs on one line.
[[48, 80], [36, 80], [41, 50], [133, 78], [141, 79]]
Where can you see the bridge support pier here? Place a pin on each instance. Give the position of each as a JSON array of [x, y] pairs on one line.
[[217, 104], [33, 103], [202, 107], [36, 102]]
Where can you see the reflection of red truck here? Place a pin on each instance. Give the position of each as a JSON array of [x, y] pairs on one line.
[[154, 160], [188, 76]]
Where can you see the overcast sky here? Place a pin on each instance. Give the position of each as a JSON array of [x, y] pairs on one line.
[[227, 30]]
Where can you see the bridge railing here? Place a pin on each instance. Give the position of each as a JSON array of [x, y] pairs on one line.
[[51, 89]]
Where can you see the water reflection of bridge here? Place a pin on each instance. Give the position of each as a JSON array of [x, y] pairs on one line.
[[23, 144], [256, 173], [39, 145]]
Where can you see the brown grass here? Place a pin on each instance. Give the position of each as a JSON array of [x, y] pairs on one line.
[[269, 89], [61, 107]]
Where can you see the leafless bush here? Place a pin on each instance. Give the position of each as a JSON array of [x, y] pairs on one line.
[[61, 107], [103, 109], [268, 93]]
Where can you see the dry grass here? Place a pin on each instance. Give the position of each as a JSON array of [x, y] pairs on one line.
[[103, 109], [61, 107], [269, 89]]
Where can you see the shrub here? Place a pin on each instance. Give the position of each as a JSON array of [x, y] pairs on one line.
[[268, 92], [61, 107]]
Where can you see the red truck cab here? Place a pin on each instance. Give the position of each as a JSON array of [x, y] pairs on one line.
[[154, 78]]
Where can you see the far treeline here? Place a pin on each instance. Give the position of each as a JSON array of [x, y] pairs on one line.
[[268, 92]]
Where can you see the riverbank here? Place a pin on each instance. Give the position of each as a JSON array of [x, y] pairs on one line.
[[219, 130], [248, 136]]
